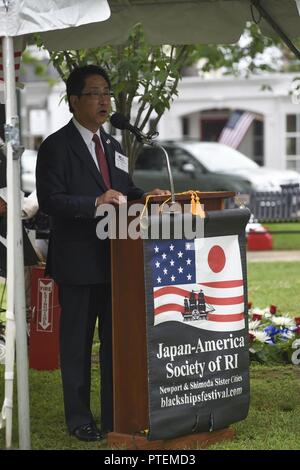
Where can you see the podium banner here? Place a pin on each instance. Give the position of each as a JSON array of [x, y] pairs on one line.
[[197, 332]]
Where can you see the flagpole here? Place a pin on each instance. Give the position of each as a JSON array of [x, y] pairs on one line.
[[6, 413], [15, 260]]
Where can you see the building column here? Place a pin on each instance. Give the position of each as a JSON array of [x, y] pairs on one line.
[[170, 127], [273, 139]]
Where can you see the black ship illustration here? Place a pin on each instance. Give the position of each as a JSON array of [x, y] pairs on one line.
[[195, 307]]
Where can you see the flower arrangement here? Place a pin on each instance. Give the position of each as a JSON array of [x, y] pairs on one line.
[[273, 337]]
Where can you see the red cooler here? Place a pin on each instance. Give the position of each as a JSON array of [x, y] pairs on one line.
[[44, 322], [257, 241]]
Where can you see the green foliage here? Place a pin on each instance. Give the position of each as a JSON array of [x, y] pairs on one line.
[[40, 68], [227, 58], [149, 75], [265, 354], [274, 337]]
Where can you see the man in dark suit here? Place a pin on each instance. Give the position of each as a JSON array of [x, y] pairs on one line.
[[78, 170]]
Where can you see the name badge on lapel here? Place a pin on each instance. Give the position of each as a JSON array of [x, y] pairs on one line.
[[121, 162]]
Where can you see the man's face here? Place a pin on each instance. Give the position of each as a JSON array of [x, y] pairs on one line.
[[92, 107]]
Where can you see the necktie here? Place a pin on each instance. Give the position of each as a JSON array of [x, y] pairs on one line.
[[102, 162]]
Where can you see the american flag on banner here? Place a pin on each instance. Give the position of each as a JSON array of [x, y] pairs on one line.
[[236, 128], [18, 50], [199, 282]]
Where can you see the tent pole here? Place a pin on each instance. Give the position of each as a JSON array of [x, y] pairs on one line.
[[6, 414], [15, 238]]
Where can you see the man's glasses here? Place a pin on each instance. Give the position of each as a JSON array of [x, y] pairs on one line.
[[97, 95]]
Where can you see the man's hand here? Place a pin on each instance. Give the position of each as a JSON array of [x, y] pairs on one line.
[[2, 207], [111, 197], [158, 192]]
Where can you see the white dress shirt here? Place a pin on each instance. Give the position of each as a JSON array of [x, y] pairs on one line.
[[87, 136]]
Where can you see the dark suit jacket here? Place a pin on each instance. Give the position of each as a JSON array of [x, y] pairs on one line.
[[68, 183]]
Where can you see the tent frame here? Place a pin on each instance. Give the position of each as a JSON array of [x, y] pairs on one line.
[[16, 327], [266, 15]]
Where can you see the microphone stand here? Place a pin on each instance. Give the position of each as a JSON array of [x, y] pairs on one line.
[[148, 140], [155, 144]]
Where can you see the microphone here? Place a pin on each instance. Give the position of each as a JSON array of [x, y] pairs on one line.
[[119, 121]]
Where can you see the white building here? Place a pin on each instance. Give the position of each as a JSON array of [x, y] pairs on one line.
[[43, 111], [200, 111], [203, 107]]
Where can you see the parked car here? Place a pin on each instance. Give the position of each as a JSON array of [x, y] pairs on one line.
[[207, 166]]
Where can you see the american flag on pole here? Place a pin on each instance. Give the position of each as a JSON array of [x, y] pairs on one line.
[[236, 128], [199, 282]]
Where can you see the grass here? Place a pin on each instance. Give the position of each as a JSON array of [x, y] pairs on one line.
[[275, 283], [274, 416], [273, 421], [48, 429], [285, 241]]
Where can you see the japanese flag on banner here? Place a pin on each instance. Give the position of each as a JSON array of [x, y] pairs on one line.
[[199, 282], [19, 46], [219, 274]]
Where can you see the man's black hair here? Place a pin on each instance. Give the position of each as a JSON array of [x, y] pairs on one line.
[[76, 80]]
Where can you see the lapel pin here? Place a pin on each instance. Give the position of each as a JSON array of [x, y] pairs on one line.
[[108, 141]]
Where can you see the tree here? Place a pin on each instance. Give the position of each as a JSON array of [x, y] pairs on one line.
[[147, 74]]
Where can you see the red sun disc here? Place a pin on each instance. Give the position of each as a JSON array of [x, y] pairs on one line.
[[216, 259]]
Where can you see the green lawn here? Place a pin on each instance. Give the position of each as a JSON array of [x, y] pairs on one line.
[[275, 283], [273, 421], [285, 241], [274, 417]]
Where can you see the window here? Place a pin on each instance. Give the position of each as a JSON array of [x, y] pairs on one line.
[[150, 159], [293, 142], [185, 122], [211, 128], [178, 157], [258, 141]]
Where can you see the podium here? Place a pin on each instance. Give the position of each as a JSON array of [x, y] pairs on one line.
[[130, 381]]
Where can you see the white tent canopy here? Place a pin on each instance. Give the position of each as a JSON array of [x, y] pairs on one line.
[[179, 22], [20, 17]]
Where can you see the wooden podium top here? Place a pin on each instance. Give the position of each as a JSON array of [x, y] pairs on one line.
[[216, 195], [202, 195], [211, 200]]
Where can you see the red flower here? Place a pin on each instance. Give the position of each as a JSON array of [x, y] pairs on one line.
[[297, 331], [251, 338], [273, 309], [256, 316], [297, 321]]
